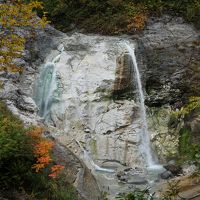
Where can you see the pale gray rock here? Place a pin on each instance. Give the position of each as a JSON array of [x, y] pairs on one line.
[[131, 176]]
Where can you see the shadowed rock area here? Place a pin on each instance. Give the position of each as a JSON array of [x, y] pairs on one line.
[[172, 56]]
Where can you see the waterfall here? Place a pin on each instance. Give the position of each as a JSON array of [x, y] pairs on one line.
[[47, 86], [87, 158], [145, 139], [90, 163]]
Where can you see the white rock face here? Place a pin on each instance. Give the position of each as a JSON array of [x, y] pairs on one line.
[[85, 111]]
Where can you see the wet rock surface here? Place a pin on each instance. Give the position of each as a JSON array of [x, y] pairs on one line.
[[132, 176], [77, 173], [174, 169], [171, 171], [124, 76], [171, 52], [166, 175]]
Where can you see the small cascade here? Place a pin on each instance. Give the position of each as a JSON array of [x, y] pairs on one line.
[[96, 167], [47, 87], [146, 144], [88, 160]]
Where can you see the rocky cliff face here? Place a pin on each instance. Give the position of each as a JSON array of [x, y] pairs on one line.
[[102, 132], [86, 110], [171, 48]]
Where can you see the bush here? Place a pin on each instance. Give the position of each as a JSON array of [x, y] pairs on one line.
[[189, 151], [16, 155], [15, 15], [52, 189], [21, 150], [107, 17], [189, 147], [137, 194]]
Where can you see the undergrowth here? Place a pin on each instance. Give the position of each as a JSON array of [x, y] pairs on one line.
[[26, 163], [116, 16], [189, 147], [171, 193]]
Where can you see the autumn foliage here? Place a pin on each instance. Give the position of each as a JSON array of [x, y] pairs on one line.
[[42, 150], [16, 16], [137, 22], [20, 150], [55, 170]]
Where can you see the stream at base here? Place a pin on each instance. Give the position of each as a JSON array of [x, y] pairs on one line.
[[112, 186]]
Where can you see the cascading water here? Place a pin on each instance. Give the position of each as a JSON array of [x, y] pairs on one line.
[[47, 87], [146, 144], [88, 160]]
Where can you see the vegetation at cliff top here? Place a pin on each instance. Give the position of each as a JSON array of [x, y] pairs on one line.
[[107, 17], [116, 16], [26, 163], [16, 16]]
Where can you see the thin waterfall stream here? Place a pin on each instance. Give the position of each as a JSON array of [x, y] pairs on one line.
[[145, 137], [47, 87], [91, 163]]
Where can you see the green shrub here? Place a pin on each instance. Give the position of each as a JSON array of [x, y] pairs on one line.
[[115, 16], [172, 192], [137, 194], [52, 189], [16, 160], [189, 151], [16, 155], [193, 104], [108, 17]]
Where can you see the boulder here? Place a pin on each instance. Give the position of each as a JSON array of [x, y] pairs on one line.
[[131, 176], [166, 175], [174, 169]]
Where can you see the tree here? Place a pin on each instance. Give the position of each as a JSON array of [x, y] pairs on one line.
[[42, 149], [16, 15]]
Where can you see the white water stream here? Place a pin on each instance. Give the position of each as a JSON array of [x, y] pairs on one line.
[[90, 163], [47, 86], [145, 137]]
